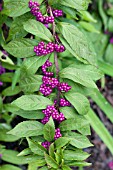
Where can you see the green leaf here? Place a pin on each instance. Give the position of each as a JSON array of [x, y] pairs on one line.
[[100, 129], [17, 29], [32, 102], [7, 137], [25, 152], [77, 163], [49, 130], [36, 147], [15, 8], [88, 26], [21, 48], [30, 83], [80, 76], [6, 77], [34, 165], [103, 104], [78, 4], [32, 64], [77, 154], [51, 150], [108, 54], [102, 13], [27, 128], [65, 167], [11, 157], [9, 92], [77, 140], [29, 114], [37, 28], [8, 167], [59, 143], [73, 124], [77, 41], [51, 162], [79, 101]]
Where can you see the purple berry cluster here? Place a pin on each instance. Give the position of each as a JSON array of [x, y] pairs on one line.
[[46, 144], [46, 65], [35, 10], [44, 49], [57, 133], [64, 87], [49, 83], [51, 111], [57, 13]]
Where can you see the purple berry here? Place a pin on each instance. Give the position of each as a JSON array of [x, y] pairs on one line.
[[64, 87], [61, 117], [2, 70], [64, 102], [45, 90], [46, 144], [57, 134], [52, 82]]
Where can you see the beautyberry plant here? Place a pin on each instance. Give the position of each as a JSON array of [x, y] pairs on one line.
[[56, 64]]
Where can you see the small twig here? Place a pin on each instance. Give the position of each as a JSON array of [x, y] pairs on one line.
[[55, 53]]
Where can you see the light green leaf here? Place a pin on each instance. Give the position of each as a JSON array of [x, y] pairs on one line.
[[7, 137], [80, 102], [32, 102], [77, 140], [27, 128], [36, 147], [77, 41], [49, 130], [78, 4], [11, 157], [73, 124], [29, 114], [30, 83], [8, 167], [50, 161], [37, 28], [60, 142], [9, 92], [21, 48], [32, 64], [17, 29], [77, 154], [15, 8]]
